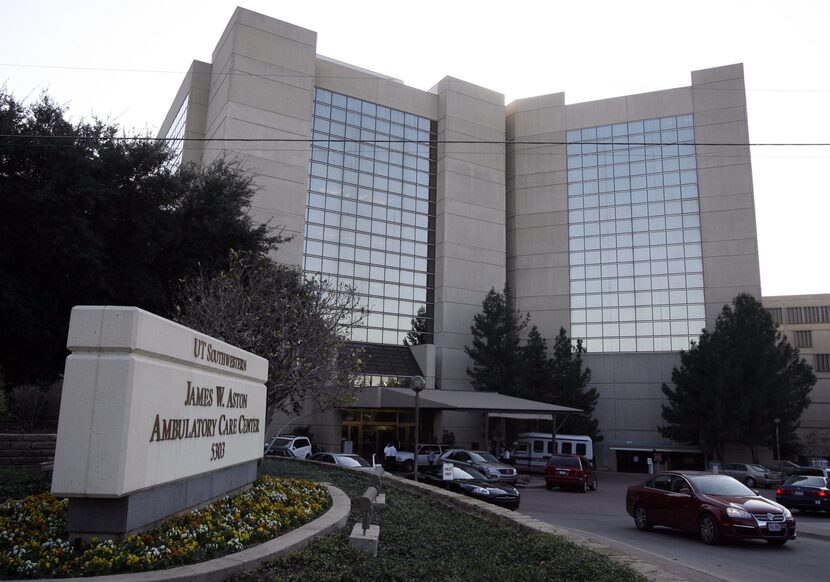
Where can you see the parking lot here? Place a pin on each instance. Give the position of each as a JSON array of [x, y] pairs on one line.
[[602, 514]]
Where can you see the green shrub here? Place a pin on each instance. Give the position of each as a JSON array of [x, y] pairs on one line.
[[18, 482], [34, 407]]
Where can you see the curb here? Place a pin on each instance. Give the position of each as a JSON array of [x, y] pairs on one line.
[[220, 569]]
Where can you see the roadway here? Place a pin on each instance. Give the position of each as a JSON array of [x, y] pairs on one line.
[[601, 514]]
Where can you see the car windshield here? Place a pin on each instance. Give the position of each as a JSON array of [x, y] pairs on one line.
[[759, 468], [720, 485], [806, 481], [352, 461], [483, 457], [467, 474], [282, 442]]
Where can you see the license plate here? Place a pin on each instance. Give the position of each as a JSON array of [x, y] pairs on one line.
[[563, 472], [818, 502], [799, 493], [774, 526]]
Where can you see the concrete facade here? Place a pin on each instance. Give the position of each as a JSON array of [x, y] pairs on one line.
[[805, 320], [500, 190]]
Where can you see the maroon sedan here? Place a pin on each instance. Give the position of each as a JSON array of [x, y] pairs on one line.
[[715, 506]]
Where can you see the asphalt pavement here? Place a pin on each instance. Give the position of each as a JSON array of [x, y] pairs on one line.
[[812, 524]]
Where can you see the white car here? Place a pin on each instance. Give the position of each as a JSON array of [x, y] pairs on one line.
[[349, 460], [298, 446]]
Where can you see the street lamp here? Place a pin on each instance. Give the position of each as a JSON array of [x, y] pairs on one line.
[[417, 383], [777, 421]]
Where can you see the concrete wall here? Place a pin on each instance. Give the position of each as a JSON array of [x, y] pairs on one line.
[[470, 218], [816, 419]]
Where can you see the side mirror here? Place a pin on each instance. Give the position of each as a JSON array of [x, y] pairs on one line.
[[685, 491]]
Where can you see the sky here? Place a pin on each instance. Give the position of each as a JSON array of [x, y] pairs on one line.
[[124, 60]]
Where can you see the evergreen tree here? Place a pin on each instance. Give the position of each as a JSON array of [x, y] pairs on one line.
[[418, 334], [536, 372], [570, 386], [496, 351], [735, 381]]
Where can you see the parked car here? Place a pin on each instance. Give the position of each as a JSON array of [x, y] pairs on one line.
[[406, 459], [816, 471], [349, 460], [753, 475], [715, 506], [298, 446], [804, 493], [280, 452], [468, 480], [573, 471], [484, 462], [786, 468]]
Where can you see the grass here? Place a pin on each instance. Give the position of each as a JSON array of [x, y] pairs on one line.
[[421, 540]]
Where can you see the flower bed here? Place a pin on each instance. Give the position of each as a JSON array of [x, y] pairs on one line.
[[34, 544]]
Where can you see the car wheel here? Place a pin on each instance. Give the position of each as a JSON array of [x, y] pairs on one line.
[[307, 456], [595, 485], [641, 519], [585, 485], [709, 530], [750, 482], [776, 542], [408, 466], [548, 486]]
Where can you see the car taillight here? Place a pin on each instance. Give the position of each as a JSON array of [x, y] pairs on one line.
[[822, 493], [779, 491]]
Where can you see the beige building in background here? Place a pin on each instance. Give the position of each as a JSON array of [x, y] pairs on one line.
[[628, 221], [805, 320]]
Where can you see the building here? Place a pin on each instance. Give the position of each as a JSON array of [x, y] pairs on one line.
[[805, 320], [627, 221]]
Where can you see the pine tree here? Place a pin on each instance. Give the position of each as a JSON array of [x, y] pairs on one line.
[[496, 351], [418, 334], [735, 381], [536, 378], [570, 386]]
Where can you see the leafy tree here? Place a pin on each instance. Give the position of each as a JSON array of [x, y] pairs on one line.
[[735, 381], [495, 351], [299, 325], [418, 334], [91, 218]]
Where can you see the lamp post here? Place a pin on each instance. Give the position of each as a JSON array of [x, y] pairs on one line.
[[417, 383], [777, 421]]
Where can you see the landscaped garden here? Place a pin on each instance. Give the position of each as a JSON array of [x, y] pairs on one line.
[[34, 541], [420, 539]]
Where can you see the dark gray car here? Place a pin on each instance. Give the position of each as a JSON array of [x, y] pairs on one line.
[[484, 462]]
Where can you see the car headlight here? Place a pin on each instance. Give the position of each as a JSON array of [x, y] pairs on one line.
[[788, 514], [481, 491], [738, 513], [492, 470]]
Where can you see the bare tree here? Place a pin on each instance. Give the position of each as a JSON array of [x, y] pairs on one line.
[[298, 324]]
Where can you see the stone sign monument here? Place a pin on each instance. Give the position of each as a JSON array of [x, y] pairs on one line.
[[155, 418]]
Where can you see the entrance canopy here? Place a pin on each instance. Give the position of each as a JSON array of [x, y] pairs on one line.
[[493, 403]]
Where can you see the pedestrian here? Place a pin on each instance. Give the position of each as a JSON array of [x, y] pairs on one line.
[[431, 457], [507, 458], [389, 454]]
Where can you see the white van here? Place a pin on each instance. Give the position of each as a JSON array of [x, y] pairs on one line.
[[532, 450]]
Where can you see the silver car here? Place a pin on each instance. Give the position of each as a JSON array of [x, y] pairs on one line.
[[753, 475], [484, 462]]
